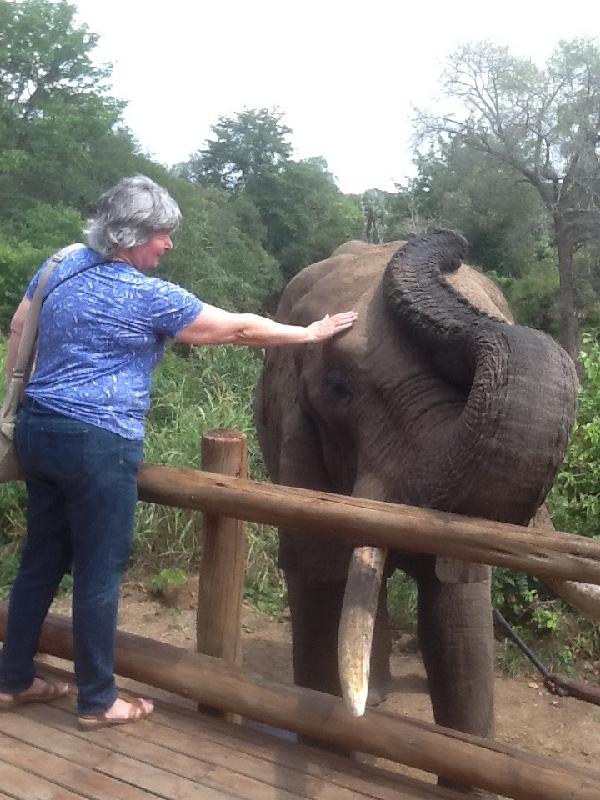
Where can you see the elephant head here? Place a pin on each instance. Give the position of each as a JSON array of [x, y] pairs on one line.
[[432, 399]]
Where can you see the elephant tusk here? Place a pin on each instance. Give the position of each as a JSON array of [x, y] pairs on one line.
[[357, 622], [584, 597]]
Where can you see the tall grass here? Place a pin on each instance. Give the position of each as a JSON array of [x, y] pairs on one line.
[[194, 390], [197, 390]]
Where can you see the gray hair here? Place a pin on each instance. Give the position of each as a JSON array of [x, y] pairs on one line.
[[130, 213]]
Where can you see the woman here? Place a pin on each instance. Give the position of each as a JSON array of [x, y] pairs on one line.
[[79, 433]]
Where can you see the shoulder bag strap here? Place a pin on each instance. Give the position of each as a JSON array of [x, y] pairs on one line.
[[29, 334], [25, 353]]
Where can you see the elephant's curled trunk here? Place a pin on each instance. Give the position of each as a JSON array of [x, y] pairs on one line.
[[503, 452]]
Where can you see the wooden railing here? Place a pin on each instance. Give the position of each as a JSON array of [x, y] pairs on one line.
[[213, 676]]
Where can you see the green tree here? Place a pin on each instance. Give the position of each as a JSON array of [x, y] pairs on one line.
[[503, 219], [58, 134], [544, 125], [373, 203], [304, 213], [218, 252], [244, 148]]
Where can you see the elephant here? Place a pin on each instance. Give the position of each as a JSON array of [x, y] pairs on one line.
[[434, 398]]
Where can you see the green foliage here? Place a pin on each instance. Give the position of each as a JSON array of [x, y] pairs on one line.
[[25, 242], [305, 215], [55, 113], [402, 600], [533, 297], [218, 254], [47, 227], [200, 390], [525, 602], [166, 579], [460, 188], [540, 126], [575, 499], [204, 389], [246, 147], [42, 54]]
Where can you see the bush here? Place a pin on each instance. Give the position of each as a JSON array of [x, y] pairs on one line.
[[197, 390], [575, 499], [25, 243]]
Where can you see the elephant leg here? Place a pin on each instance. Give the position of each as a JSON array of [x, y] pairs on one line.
[[380, 678], [315, 608], [457, 643]]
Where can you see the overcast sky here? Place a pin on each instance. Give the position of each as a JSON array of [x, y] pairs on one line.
[[346, 75]]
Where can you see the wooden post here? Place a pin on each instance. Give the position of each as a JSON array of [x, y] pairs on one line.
[[457, 756], [223, 564]]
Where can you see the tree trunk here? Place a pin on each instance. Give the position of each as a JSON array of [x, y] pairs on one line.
[[568, 326]]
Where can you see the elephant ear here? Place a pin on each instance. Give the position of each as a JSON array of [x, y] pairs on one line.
[[292, 449], [301, 464]]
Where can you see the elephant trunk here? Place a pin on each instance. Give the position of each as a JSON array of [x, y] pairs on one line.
[[501, 455]]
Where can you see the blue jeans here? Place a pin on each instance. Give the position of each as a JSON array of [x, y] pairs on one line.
[[82, 493]]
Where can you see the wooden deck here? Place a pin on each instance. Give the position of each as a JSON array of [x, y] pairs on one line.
[[177, 754]]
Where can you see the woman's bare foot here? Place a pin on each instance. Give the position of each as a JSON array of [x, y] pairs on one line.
[[125, 709], [40, 691]]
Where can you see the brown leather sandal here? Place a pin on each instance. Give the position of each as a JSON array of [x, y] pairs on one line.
[[93, 722], [51, 690]]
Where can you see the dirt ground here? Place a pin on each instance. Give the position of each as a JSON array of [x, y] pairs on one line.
[[528, 717]]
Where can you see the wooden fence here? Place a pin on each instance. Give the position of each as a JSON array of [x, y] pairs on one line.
[[213, 676]]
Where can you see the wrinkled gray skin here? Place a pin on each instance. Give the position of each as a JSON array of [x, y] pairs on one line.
[[430, 400]]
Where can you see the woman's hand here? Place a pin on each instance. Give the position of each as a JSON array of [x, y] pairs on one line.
[[328, 326]]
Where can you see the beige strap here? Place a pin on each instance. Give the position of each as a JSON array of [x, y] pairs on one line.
[[26, 351]]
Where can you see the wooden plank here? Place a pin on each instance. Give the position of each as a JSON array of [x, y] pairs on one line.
[[277, 780], [67, 774], [251, 778], [76, 746], [267, 752], [24, 786], [470, 760], [370, 522], [148, 749]]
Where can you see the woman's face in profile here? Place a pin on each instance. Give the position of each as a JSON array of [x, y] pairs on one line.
[[147, 255]]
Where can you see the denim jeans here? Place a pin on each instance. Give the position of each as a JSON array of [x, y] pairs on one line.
[[82, 493]]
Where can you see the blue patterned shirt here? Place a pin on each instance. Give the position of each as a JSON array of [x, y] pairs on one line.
[[102, 330]]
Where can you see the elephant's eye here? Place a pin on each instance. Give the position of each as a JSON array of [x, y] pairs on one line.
[[339, 385]]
